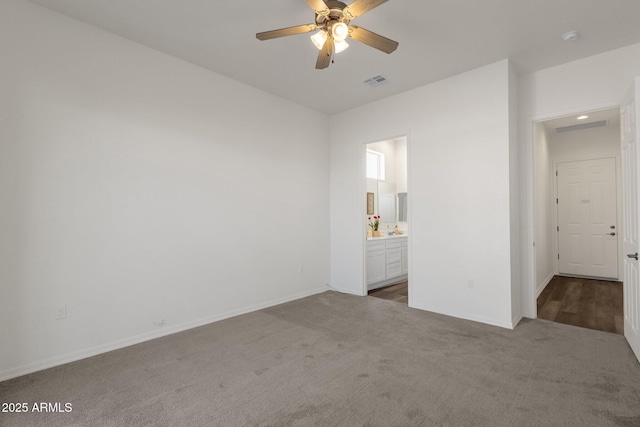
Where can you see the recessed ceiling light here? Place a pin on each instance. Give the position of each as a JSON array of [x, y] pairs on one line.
[[570, 36], [583, 117]]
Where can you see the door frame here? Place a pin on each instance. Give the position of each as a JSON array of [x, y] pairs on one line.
[[363, 192], [530, 294], [556, 240]]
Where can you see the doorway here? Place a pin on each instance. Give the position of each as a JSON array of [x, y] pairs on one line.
[[387, 220], [578, 204]]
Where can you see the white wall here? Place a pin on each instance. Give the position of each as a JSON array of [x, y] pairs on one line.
[[458, 132], [586, 144], [388, 148], [136, 188], [592, 83], [544, 208]]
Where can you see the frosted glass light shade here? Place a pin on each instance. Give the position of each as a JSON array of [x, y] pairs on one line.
[[319, 38], [340, 46], [340, 31]]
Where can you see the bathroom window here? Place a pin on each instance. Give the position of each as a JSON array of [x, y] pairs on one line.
[[375, 165]]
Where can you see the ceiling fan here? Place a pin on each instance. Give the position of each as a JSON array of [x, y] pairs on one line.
[[332, 19]]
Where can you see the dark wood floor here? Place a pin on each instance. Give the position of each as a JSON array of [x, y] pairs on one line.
[[588, 303], [593, 304], [399, 292]]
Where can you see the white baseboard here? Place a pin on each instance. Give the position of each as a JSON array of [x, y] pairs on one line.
[[543, 284], [346, 291], [137, 339], [515, 320], [480, 319]]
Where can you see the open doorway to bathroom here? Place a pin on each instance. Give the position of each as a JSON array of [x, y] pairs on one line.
[[387, 222]]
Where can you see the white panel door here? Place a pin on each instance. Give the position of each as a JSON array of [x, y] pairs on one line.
[[587, 212], [630, 215]]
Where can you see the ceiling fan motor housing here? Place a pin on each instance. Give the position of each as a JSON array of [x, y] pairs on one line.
[[335, 15]]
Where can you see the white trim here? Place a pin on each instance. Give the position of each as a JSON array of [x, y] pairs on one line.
[[515, 321], [344, 291], [555, 221], [147, 336], [544, 284], [410, 288], [465, 316]]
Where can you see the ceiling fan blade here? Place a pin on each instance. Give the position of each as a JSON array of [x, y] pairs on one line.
[[319, 7], [326, 54], [359, 7], [289, 31], [372, 39]]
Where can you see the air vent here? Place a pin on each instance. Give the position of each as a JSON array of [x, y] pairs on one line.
[[376, 81], [581, 126]]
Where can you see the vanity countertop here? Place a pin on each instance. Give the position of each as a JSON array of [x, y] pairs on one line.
[[394, 236]]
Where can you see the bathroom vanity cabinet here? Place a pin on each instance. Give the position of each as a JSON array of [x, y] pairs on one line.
[[387, 260]]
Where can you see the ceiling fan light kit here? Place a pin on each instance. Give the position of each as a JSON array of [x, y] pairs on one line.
[[332, 20]]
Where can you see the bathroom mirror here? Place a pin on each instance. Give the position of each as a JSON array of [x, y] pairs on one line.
[[387, 202], [402, 207]]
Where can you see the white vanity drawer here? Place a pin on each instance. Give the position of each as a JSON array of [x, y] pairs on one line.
[[394, 255], [405, 242], [375, 245], [394, 243], [394, 269]]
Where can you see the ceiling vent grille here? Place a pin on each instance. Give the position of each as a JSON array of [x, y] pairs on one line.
[[376, 81], [581, 126]]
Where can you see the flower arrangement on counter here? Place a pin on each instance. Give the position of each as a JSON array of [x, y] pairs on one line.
[[375, 223]]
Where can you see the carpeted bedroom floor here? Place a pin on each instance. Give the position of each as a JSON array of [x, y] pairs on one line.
[[334, 359]]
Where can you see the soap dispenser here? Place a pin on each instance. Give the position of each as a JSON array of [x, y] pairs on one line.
[[396, 231]]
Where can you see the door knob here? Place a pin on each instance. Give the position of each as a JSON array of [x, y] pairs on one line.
[[612, 234], [633, 256], [613, 227]]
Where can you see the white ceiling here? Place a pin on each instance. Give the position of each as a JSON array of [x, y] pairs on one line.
[[438, 38]]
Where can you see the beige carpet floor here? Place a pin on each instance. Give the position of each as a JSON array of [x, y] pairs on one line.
[[341, 360]]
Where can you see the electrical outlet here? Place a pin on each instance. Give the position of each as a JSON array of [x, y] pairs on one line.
[[160, 323], [61, 312], [301, 269], [471, 284]]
